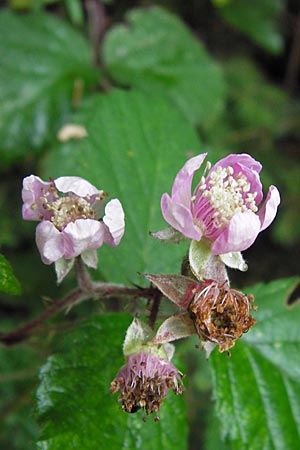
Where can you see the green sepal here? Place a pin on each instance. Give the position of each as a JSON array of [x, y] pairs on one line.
[[204, 265]]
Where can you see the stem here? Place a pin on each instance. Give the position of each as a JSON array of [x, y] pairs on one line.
[[83, 277], [24, 331], [154, 308], [98, 22], [86, 290], [293, 64]]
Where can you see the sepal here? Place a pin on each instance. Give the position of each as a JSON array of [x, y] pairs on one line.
[[63, 267], [178, 288], [168, 234], [178, 326], [204, 265], [234, 260]]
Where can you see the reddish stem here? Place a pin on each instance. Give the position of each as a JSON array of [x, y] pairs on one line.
[[85, 291]]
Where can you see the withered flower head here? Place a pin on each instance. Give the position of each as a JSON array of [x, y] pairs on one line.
[[145, 381], [221, 314]]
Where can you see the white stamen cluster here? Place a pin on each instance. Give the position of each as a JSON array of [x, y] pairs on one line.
[[228, 193], [68, 209]]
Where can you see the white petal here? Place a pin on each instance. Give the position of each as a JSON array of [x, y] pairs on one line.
[[77, 185], [115, 222], [82, 235], [49, 241]]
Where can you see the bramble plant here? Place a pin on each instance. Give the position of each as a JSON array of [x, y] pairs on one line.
[[140, 210]]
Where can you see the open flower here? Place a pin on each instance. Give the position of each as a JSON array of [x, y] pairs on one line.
[[69, 210], [224, 207]]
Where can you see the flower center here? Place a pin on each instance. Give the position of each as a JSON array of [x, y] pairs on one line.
[[68, 209], [228, 193]]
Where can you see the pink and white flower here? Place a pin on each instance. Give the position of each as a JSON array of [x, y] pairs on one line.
[[225, 206], [69, 210]]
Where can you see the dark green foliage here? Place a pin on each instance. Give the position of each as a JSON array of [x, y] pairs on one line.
[[258, 19], [8, 281], [45, 69], [155, 52]]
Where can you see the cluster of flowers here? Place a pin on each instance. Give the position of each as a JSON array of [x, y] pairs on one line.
[[222, 216]]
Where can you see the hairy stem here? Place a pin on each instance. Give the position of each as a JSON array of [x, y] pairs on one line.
[[87, 289]]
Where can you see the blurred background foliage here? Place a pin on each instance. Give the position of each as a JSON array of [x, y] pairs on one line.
[[229, 72]]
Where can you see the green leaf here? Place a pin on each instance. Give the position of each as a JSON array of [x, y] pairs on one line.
[[8, 281], [257, 389], [75, 408], [135, 146], [45, 67], [257, 19], [256, 104], [156, 52]]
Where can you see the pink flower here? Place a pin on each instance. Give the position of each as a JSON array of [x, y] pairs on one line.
[[69, 210], [145, 381], [224, 205]]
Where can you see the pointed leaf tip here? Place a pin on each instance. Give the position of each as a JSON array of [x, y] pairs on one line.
[[178, 288]]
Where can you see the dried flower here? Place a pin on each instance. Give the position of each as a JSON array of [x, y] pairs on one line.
[[144, 382], [224, 205], [148, 375], [221, 314], [69, 210], [217, 313]]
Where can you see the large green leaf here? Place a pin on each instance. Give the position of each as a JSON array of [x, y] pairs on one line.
[[256, 18], [75, 408], [257, 389], [45, 67], [135, 146], [8, 281], [156, 52]]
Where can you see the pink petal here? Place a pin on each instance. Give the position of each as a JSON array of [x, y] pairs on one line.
[[180, 217], [82, 235], [49, 241], [77, 185], [248, 166], [181, 189], [33, 189], [239, 234], [268, 210], [114, 220], [241, 158]]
